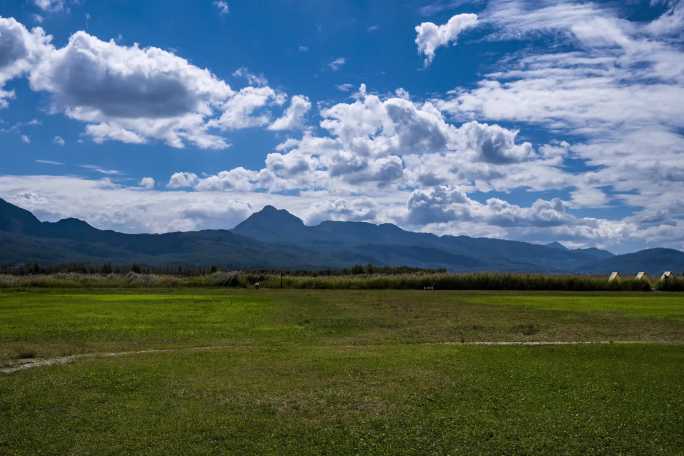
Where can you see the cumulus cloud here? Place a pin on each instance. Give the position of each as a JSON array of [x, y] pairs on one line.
[[239, 179], [293, 117], [447, 205], [147, 183], [131, 92], [58, 140], [361, 209], [102, 132], [496, 144], [135, 94], [373, 142], [246, 109], [437, 205], [182, 180], [20, 49], [430, 36]]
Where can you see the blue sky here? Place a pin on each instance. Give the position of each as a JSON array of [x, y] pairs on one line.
[[540, 121]]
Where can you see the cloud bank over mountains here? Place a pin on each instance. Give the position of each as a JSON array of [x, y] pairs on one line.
[[609, 93]]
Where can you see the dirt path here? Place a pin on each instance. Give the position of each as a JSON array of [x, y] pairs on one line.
[[30, 363]]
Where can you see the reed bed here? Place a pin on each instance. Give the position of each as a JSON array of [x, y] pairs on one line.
[[408, 281], [444, 281]]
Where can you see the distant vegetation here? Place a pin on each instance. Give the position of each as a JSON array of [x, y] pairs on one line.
[[361, 278]]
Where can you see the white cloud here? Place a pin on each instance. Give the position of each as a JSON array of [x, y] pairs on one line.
[[222, 7], [337, 63], [251, 78], [131, 92], [58, 140], [236, 179], [437, 205], [49, 162], [360, 209], [113, 132], [182, 180], [25, 139], [126, 209], [670, 23], [246, 109], [616, 76], [430, 37], [615, 84], [147, 183], [449, 210], [50, 6], [496, 144], [20, 49], [101, 170], [293, 117], [373, 143]]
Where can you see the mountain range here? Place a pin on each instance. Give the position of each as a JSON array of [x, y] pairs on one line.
[[276, 239]]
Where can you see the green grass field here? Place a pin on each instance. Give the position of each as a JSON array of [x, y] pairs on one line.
[[342, 372]]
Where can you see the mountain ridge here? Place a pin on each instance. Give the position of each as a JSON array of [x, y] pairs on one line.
[[275, 238]]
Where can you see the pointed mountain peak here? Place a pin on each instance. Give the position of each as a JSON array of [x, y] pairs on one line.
[[271, 225], [16, 219], [557, 245], [73, 223], [270, 214]]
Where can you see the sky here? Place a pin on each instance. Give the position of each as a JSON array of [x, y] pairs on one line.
[[530, 120]]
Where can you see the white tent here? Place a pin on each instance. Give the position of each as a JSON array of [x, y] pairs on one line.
[[666, 275], [614, 276], [642, 276]]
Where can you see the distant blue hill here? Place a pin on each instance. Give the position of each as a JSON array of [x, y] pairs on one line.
[[653, 261], [273, 238]]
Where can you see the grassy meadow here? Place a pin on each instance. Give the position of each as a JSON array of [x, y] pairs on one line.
[[341, 372]]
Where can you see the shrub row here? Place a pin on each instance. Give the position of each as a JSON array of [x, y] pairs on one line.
[[672, 284], [463, 282], [409, 281]]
